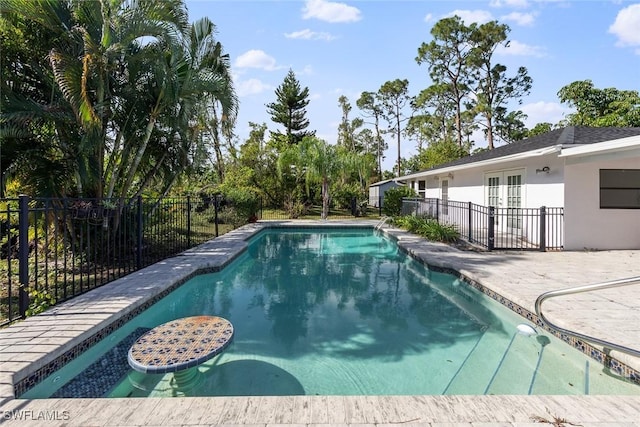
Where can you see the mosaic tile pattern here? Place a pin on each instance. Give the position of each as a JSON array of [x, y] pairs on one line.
[[180, 344], [103, 374]]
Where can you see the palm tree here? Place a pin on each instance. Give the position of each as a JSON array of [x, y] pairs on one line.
[[321, 163], [135, 78]]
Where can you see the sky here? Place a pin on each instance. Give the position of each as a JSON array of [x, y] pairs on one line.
[[346, 47]]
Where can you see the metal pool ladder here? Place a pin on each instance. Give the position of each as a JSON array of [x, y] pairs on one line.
[[587, 288], [381, 222]]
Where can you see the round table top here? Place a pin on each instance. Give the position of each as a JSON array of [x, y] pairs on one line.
[[180, 344]]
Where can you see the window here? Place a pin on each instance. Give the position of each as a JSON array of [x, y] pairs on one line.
[[445, 196], [422, 185], [619, 188]]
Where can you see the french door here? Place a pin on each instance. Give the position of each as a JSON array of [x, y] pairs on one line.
[[504, 190]]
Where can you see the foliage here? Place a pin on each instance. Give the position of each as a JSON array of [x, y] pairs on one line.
[[242, 205], [127, 99], [492, 88], [289, 108], [428, 228], [370, 104], [600, 107], [349, 135], [343, 195], [392, 204], [539, 129], [39, 301], [394, 96], [294, 207], [448, 59], [467, 84], [439, 153]]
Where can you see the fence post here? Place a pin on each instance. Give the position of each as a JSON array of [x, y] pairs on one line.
[[380, 205], [23, 254], [216, 204], [353, 206], [438, 210], [139, 234], [543, 229], [470, 221], [189, 221], [492, 223]]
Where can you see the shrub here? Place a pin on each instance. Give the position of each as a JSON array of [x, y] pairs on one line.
[[242, 205], [428, 228], [392, 202]]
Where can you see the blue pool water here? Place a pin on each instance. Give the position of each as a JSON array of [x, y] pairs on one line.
[[341, 312]]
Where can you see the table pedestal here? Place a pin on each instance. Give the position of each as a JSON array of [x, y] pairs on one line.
[[185, 380]]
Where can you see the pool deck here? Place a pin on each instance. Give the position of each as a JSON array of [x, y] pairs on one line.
[[518, 276]]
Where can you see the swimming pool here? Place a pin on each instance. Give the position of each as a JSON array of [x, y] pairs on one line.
[[342, 312]]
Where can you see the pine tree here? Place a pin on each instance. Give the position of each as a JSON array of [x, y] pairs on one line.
[[289, 108]]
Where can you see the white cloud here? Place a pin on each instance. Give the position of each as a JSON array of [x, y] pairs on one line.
[[428, 17], [256, 59], [307, 70], [626, 26], [471, 16], [251, 87], [520, 49], [307, 34], [541, 112], [524, 19], [330, 11], [509, 3]]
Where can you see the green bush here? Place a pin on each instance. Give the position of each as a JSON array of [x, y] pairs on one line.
[[392, 202], [428, 228], [342, 195], [241, 207]]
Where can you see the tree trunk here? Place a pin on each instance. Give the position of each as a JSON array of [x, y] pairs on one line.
[[325, 198]]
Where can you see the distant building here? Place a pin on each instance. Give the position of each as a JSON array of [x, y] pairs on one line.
[[377, 190]]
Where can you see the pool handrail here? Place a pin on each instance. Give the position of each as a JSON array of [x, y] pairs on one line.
[[586, 288], [382, 221]]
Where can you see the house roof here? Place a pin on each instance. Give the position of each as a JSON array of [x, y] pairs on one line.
[[376, 184], [565, 137]]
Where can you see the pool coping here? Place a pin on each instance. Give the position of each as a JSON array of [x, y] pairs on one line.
[[36, 344]]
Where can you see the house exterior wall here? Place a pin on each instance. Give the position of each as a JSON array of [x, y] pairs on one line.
[[468, 185], [586, 225]]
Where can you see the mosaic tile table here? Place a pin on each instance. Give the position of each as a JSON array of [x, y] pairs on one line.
[[180, 345]]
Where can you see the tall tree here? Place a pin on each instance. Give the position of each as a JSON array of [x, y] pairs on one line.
[[600, 107], [369, 103], [348, 129], [394, 97], [492, 88], [289, 108], [447, 57]]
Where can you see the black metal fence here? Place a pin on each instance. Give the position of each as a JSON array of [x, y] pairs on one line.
[[539, 229], [54, 249]]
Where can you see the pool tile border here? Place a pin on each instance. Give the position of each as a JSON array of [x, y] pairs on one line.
[[37, 376]]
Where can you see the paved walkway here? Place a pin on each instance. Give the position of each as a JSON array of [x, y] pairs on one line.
[[520, 277]]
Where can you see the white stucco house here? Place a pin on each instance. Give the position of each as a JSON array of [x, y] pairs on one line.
[[593, 173]]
